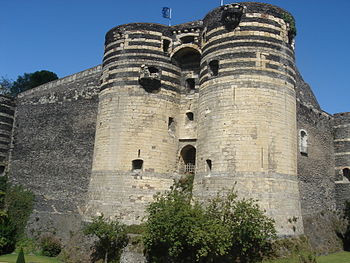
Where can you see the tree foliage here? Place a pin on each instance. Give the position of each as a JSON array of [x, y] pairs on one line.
[[25, 82], [16, 205], [112, 237], [31, 80], [19, 205], [227, 229], [5, 86]]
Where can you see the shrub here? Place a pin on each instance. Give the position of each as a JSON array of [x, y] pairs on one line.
[[50, 246], [7, 234], [28, 245], [16, 205], [20, 258], [19, 206], [112, 237], [228, 229]]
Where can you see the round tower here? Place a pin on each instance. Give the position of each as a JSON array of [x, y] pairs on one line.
[[7, 110], [247, 110], [136, 134]]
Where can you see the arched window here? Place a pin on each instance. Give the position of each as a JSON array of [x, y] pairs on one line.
[[209, 165], [190, 116], [137, 165], [303, 137]]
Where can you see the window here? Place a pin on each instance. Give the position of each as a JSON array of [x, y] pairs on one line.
[[346, 173], [137, 164], [171, 125], [2, 170], [170, 122], [303, 142], [204, 37], [166, 44], [187, 39], [190, 84], [209, 165], [190, 116], [152, 69], [214, 68]]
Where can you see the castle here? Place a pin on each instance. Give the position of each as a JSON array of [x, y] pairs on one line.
[[220, 98]]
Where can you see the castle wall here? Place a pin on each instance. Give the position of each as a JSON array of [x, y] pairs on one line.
[[247, 114], [342, 157], [316, 177], [53, 146], [135, 122]]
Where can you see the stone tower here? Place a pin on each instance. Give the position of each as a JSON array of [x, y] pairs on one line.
[[247, 110], [214, 97]]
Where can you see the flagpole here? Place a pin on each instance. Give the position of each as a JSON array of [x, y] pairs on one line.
[[222, 2], [170, 17]]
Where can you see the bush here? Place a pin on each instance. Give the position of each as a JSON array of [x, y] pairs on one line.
[[112, 237], [16, 205], [19, 206], [28, 245], [7, 234], [50, 246], [228, 229]]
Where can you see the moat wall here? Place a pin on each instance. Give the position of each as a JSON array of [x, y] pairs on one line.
[[52, 151]]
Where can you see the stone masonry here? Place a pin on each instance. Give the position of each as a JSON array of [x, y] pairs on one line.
[[220, 98]]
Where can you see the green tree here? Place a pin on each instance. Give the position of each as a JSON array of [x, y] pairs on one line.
[[227, 229], [111, 234], [19, 205], [5, 86], [7, 234], [250, 229], [31, 80]]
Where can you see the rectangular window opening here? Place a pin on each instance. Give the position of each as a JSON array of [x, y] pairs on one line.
[[214, 67], [209, 165]]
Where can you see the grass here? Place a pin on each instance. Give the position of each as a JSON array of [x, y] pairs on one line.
[[340, 257], [11, 258]]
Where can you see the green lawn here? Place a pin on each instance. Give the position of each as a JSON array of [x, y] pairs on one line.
[[340, 257], [11, 258]]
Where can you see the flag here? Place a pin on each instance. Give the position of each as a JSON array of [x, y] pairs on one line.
[[166, 12]]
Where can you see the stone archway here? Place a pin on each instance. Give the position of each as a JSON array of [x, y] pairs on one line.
[[188, 159]]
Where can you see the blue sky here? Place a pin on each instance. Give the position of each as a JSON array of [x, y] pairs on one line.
[[67, 36]]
